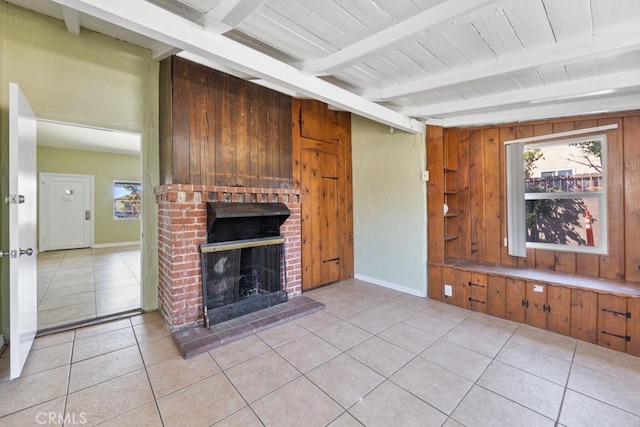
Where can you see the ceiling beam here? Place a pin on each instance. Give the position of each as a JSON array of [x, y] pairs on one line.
[[228, 15], [566, 109], [161, 51], [156, 23], [354, 53], [71, 19], [558, 91], [577, 50]]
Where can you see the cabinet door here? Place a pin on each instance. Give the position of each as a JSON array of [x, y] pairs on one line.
[[434, 287], [633, 326], [448, 279], [515, 296], [584, 314], [478, 292], [461, 292], [496, 297], [559, 311], [612, 322], [536, 295]]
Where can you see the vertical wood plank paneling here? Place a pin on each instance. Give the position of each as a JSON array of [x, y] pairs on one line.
[[208, 147], [284, 138], [492, 195], [181, 129], [243, 144], [461, 292], [515, 294], [435, 194], [631, 129], [452, 247], [252, 122], [476, 194], [295, 142], [197, 123], [496, 296], [506, 134], [478, 292], [165, 107], [464, 196], [565, 262], [346, 201], [448, 278], [434, 287], [633, 326], [263, 141], [587, 264], [535, 313], [612, 326], [584, 314], [271, 133], [559, 315], [544, 260], [612, 266], [530, 260]]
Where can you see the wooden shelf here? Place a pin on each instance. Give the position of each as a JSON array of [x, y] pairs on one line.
[[450, 237], [450, 170], [450, 192], [451, 215]]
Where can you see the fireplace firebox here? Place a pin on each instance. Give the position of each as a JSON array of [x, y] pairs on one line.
[[243, 262]]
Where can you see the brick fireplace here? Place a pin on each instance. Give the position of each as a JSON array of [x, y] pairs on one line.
[[182, 228]]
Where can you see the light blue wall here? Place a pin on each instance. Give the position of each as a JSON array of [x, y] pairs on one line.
[[389, 206]]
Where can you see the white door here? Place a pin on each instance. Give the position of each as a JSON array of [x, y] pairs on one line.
[[23, 289], [65, 211]]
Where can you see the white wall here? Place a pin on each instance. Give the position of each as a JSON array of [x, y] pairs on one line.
[[389, 206]]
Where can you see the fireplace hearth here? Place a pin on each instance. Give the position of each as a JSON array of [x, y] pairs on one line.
[[243, 262]]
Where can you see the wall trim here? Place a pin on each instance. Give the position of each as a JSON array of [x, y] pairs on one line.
[[394, 286], [112, 245]]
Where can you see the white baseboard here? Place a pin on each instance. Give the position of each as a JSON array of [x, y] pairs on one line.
[[393, 286], [112, 245]]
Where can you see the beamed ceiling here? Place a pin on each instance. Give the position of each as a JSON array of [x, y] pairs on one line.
[[399, 62]]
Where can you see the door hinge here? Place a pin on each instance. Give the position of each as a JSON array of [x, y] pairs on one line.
[[87, 215], [546, 308], [14, 199], [627, 338], [617, 313], [525, 303]]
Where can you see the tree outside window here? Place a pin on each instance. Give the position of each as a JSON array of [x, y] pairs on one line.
[[126, 200]]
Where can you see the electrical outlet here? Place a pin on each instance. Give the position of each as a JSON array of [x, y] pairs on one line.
[[448, 290]]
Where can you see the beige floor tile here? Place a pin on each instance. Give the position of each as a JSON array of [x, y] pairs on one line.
[[579, 410], [307, 352], [96, 345], [204, 409], [345, 379], [243, 418], [158, 350], [55, 292], [102, 368], [31, 390], [83, 298], [380, 355], [239, 351], [435, 385], [409, 338], [261, 375], [371, 322], [174, 374], [535, 362], [48, 358], [483, 408], [117, 283], [49, 414], [452, 423], [344, 308], [61, 315], [608, 361], [615, 391], [430, 324], [445, 311], [147, 317], [545, 341], [489, 325], [151, 330], [345, 420], [390, 405], [280, 335], [526, 389], [53, 339], [143, 416], [460, 360], [93, 330], [393, 311], [317, 320], [112, 398], [5, 369], [473, 339], [343, 335], [306, 405]]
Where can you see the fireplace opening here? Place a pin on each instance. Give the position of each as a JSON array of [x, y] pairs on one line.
[[243, 263]]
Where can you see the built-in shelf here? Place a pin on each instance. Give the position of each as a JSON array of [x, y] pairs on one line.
[[451, 215], [450, 237], [450, 170], [450, 192]]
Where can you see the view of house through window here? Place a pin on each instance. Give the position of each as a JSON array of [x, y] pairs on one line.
[[564, 192], [126, 200]]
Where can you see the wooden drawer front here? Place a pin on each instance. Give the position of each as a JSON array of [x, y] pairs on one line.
[[584, 315], [536, 296], [633, 326], [496, 296], [559, 310], [461, 292], [448, 278], [478, 292], [434, 286], [515, 296], [612, 322]]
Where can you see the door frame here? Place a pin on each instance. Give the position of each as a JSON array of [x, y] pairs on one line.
[[41, 210]]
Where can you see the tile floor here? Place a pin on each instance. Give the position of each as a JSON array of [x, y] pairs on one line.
[[83, 284], [373, 357]]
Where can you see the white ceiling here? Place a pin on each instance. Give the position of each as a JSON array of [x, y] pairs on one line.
[[400, 62]]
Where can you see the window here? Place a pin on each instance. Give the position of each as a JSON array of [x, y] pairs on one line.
[[557, 196], [126, 200]]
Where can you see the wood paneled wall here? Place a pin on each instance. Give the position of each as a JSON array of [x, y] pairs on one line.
[[220, 130], [478, 156]]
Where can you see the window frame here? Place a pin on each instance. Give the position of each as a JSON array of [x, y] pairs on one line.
[[114, 200]]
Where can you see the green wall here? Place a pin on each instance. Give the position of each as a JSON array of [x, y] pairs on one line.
[[105, 168], [389, 206], [89, 79]]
